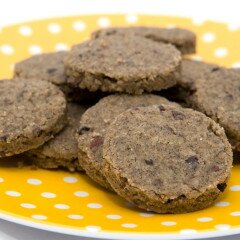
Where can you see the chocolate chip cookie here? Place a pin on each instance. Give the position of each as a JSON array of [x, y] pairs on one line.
[[184, 40], [49, 67], [31, 112], [94, 124], [121, 63], [167, 159], [217, 94], [61, 151]]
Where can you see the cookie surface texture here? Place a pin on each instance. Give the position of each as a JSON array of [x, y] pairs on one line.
[[167, 159]]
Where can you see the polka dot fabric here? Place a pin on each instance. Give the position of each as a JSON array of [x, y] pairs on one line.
[[71, 200]]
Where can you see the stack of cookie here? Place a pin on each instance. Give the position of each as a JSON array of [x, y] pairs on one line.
[[128, 109]]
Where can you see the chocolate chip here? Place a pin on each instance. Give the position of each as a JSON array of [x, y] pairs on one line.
[[178, 115], [3, 138], [96, 142], [221, 186], [83, 130], [149, 162], [192, 162], [215, 168], [51, 70], [161, 108]]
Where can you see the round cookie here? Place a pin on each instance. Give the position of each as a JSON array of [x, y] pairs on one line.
[[167, 159], [30, 114], [50, 67], [217, 94], [62, 150], [191, 71], [121, 63], [94, 124], [184, 40]]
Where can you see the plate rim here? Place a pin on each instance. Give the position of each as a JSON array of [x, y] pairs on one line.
[[114, 235]]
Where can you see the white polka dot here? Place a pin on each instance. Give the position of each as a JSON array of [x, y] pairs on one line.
[[235, 188], [28, 205], [131, 18], [171, 26], [234, 26], [70, 179], [13, 193], [48, 195], [7, 49], [103, 22], [61, 47], [39, 217], [35, 49], [94, 205], [146, 214], [79, 25], [222, 227], [222, 204], [61, 206], [93, 228], [75, 216], [188, 231], [235, 214], [34, 181], [221, 52], [236, 65], [1, 180], [204, 219], [170, 223], [112, 216], [129, 225], [54, 28], [25, 31], [196, 58], [208, 37], [81, 194], [198, 21]]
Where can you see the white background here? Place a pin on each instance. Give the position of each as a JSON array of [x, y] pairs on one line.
[[15, 11]]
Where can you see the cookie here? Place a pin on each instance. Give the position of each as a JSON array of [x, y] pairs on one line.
[[31, 112], [217, 94], [191, 71], [123, 64], [167, 159], [93, 126], [62, 150], [49, 67], [184, 40]]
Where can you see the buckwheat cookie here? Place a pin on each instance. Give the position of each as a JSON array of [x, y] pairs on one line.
[[167, 159], [94, 124], [184, 40], [121, 63], [191, 71], [49, 67], [217, 94], [62, 150], [30, 114]]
